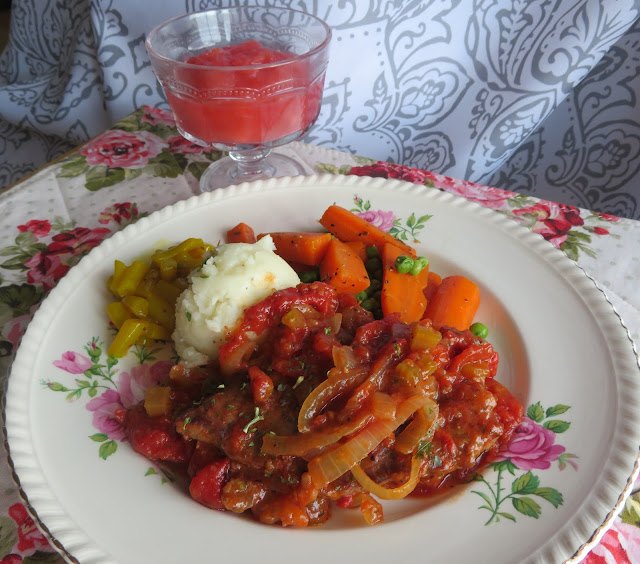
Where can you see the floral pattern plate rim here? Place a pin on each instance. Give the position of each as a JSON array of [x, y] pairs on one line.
[[587, 362]]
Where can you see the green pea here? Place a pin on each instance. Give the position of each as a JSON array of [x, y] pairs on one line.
[[362, 296], [370, 304], [373, 264], [479, 330], [419, 265], [372, 252], [308, 276], [404, 264], [374, 286]]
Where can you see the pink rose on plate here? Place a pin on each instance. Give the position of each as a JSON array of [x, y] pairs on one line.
[[74, 363], [532, 447], [120, 149], [381, 219], [39, 227], [157, 115], [104, 407], [132, 385]]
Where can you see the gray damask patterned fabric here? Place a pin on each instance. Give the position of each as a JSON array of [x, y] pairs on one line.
[[537, 96]]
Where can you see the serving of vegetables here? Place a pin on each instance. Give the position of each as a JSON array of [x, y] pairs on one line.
[[146, 292], [368, 380]]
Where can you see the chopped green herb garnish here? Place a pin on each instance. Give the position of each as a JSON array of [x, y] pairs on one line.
[[256, 417], [188, 314], [186, 422]]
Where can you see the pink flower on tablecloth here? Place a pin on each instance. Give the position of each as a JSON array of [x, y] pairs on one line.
[[601, 231], [552, 220], [104, 407], [532, 447], [11, 559], [125, 211], [381, 219], [620, 544], [29, 536], [46, 269], [48, 266], [157, 115], [121, 149], [181, 145], [131, 386], [74, 363], [487, 196], [388, 170], [14, 329], [78, 241], [608, 217], [39, 227]]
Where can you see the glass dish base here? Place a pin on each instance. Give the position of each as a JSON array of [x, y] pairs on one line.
[[227, 171]]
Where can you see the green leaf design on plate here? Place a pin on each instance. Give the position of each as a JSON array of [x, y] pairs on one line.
[[526, 484], [557, 410], [556, 425], [107, 449], [553, 496], [527, 506], [535, 412]]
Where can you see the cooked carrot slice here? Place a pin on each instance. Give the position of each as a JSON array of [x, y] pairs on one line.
[[402, 293], [347, 226], [300, 247], [454, 303], [343, 268], [241, 233]]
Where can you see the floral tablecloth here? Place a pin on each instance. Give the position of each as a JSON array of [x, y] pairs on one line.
[[49, 221]]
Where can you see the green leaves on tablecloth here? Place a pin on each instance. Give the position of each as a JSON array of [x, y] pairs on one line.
[[26, 246], [8, 535], [631, 512], [146, 142]]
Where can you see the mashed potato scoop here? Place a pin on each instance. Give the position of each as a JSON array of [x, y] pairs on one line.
[[236, 277]]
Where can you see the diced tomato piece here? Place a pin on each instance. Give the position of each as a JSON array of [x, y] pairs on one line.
[[206, 486]]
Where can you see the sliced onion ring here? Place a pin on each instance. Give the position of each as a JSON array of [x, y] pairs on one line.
[[389, 493], [421, 427], [325, 392], [306, 445], [329, 466]]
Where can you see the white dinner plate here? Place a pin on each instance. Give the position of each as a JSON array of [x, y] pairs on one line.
[[565, 355]]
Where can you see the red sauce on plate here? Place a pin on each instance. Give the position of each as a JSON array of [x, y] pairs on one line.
[[275, 359]]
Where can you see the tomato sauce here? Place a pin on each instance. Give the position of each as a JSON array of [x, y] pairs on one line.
[[232, 100], [228, 421]]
